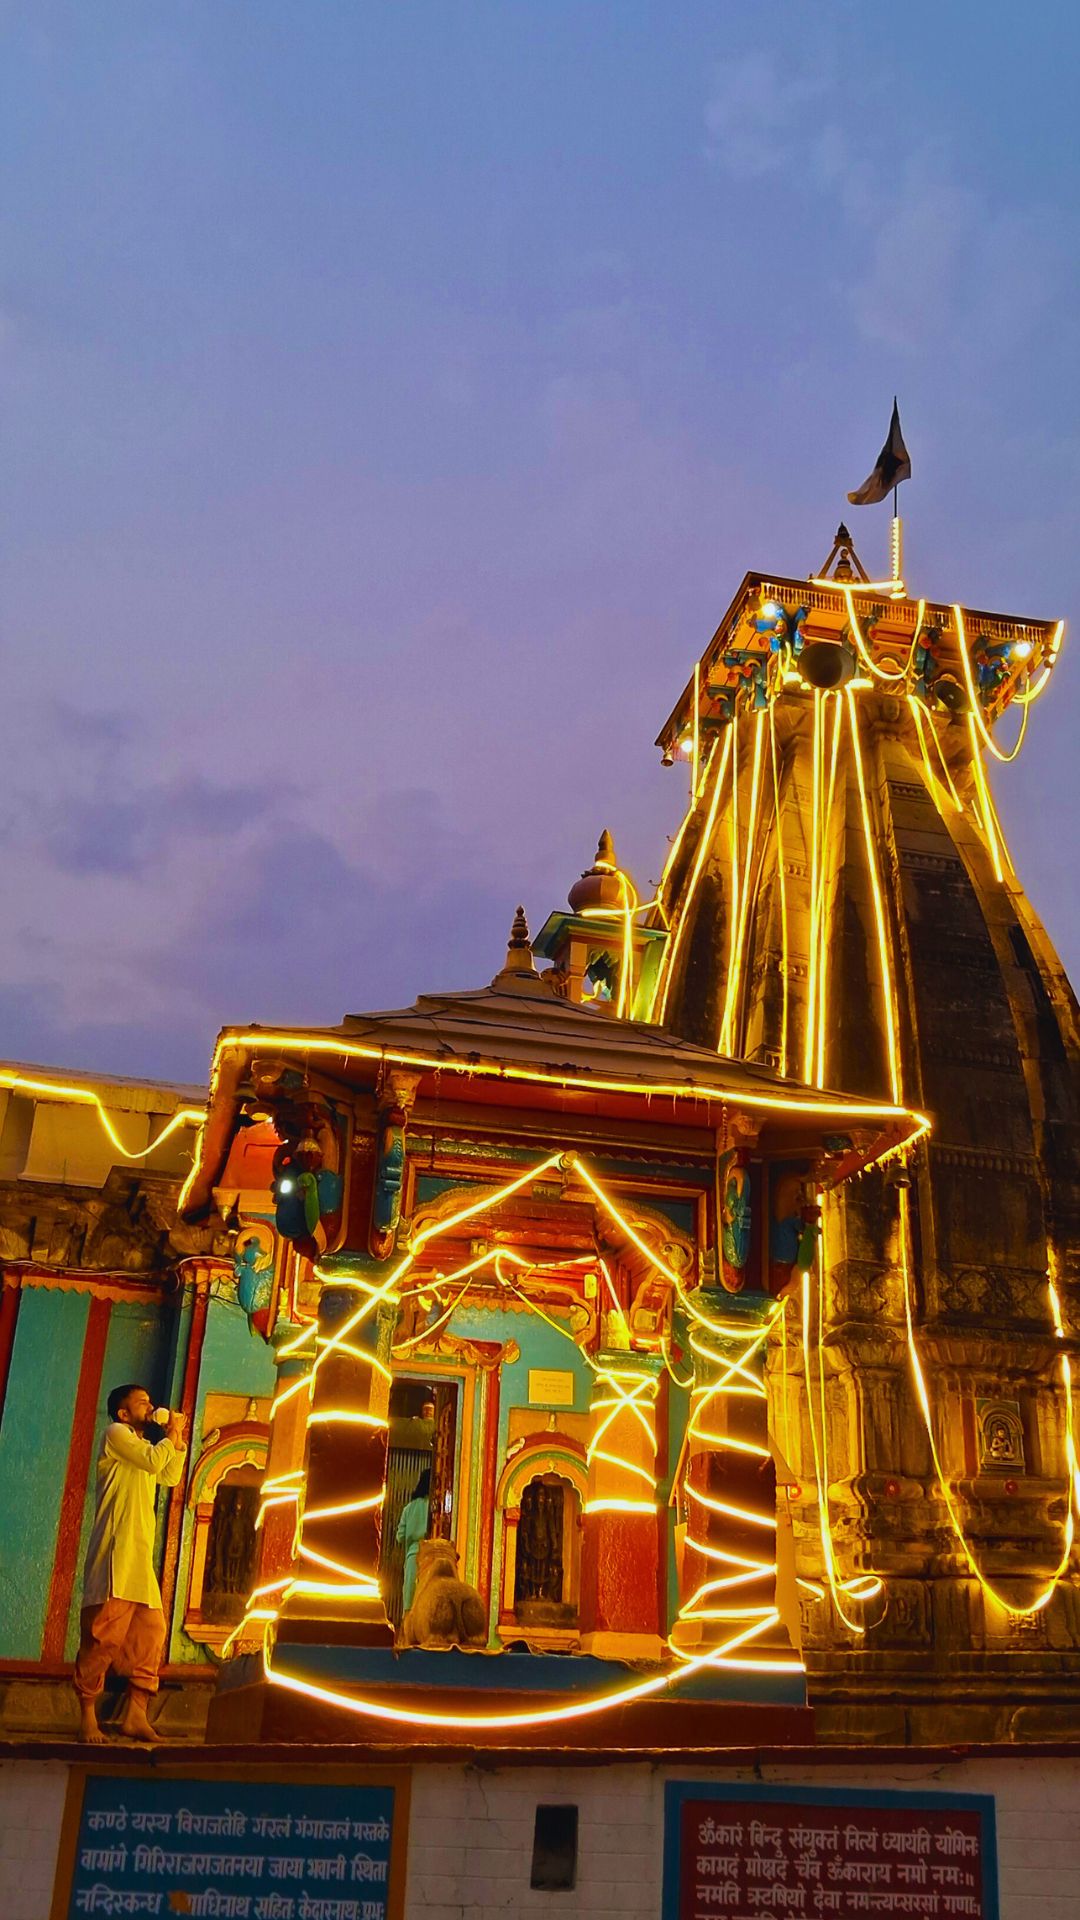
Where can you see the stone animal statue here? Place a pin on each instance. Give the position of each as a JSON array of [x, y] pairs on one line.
[[445, 1612]]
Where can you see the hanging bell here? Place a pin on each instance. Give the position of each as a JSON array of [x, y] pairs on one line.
[[827, 663]]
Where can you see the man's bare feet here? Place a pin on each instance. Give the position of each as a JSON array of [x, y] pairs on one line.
[[89, 1731], [135, 1724]]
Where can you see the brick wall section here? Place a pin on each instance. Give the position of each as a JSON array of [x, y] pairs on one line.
[[470, 1845], [31, 1809]]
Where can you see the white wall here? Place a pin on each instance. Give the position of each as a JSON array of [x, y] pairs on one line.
[[471, 1833]]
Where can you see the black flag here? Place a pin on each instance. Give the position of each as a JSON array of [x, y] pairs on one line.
[[893, 465]]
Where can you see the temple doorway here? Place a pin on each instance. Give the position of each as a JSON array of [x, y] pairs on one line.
[[423, 1423]]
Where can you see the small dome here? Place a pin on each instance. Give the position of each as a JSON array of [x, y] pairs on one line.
[[600, 885]]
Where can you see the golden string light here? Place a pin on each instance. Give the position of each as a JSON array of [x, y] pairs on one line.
[[781, 881], [671, 949], [974, 703], [992, 1593], [741, 892], [864, 1587], [86, 1096], [624, 1393], [726, 1374]]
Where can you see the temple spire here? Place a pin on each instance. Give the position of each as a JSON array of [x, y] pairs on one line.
[[518, 968]]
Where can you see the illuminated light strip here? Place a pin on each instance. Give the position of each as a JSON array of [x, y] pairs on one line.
[[737, 1095], [812, 956], [782, 885], [999, 836], [893, 587], [626, 1466], [726, 1042], [366, 1584], [837, 1587], [823, 886], [734, 889], [276, 1500], [302, 1384], [628, 906], [346, 1506], [998, 1599], [673, 850], [624, 1401], [426, 1333], [738, 1513], [949, 793], [548, 1716], [351, 1574], [1032, 693], [879, 906], [694, 1611], [975, 706], [697, 729], [619, 1506], [1066, 1376], [86, 1096], [891, 673], [704, 843], [986, 812], [349, 1416], [861, 1586], [741, 1446]]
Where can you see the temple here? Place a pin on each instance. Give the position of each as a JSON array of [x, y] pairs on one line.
[[713, 1272]]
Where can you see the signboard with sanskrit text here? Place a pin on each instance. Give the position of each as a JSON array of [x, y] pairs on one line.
[[206, 1848], [764, 1853]]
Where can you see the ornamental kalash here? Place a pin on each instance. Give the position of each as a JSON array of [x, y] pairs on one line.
[[631, 1379]]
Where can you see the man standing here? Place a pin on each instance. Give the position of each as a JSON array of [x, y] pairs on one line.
[[123, 1625]]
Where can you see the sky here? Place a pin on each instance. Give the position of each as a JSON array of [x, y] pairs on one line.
[[393, 398]]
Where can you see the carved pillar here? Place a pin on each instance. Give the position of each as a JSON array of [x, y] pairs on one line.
[[729, 1571], [620, 1547], [336, 1596]]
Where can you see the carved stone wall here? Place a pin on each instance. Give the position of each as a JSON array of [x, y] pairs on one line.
[[987, 1036]]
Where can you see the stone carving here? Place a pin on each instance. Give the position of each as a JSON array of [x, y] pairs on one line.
[[1000, 1434], [446, 1611]]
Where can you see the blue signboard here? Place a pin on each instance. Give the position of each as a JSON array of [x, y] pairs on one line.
[[228, 1849]]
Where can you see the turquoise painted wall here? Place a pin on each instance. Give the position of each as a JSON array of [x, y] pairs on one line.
[[34, 1439]]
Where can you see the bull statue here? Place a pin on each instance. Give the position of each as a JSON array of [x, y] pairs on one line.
[[446, 1611]]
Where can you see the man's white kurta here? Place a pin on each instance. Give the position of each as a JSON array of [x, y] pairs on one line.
[[120, 1556]]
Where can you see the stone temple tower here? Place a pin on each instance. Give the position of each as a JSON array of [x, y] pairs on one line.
[[841, 905]]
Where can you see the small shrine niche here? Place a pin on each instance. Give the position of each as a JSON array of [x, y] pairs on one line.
[[546, 1554]]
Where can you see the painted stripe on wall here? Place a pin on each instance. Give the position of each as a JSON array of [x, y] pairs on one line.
[[34, 1439], [66, 1569]]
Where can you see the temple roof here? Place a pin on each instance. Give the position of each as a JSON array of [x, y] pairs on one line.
[[518, 1033]]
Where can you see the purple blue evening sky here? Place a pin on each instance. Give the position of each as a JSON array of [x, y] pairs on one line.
[[395, 395]]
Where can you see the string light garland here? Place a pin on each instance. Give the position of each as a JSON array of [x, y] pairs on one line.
[[671, 949], [87, 1096], [992, 1593], [781, 881]]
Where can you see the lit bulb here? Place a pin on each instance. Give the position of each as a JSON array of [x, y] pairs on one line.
[[686, 744], [1021, 649], [286, 1186]]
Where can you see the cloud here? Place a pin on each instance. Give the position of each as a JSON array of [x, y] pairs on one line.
[[924, 258], [754, 121], [128, 834]]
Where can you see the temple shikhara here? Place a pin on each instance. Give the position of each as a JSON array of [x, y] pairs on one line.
[[661, 1356]]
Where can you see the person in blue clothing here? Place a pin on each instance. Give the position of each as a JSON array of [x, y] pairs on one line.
[[411, 1529]]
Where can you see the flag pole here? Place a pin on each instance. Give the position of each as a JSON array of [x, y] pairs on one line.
[[897, 540]]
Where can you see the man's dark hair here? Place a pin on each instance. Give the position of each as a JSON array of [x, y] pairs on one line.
[[119, 1394]]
